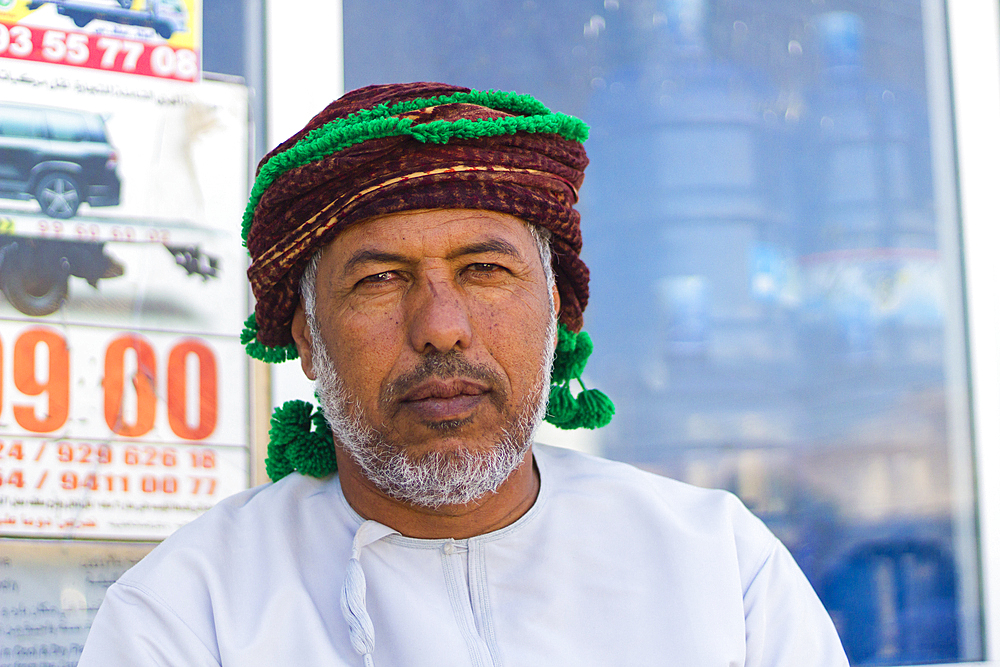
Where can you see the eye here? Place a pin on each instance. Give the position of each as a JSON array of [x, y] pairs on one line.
[[484, 268], [376, 278]]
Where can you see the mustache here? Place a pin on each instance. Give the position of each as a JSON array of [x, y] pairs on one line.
[[446, 365]]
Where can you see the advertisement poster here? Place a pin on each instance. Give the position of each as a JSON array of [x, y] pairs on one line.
[[123, 385], [153, 38]]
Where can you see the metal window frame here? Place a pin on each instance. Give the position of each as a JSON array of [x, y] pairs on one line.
[[974, 50]]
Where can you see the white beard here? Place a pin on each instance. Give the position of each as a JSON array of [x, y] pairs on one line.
[[456, 477]]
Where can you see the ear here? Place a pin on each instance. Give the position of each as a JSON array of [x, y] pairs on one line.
[[303, 338]]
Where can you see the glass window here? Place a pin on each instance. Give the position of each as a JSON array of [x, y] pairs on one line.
[[773, 287], [22, 122], [67, 126], [223, 40]]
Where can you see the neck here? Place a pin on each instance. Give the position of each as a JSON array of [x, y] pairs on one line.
[[492, 512]]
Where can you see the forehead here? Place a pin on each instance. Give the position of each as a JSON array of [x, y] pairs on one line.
[[426, 233]]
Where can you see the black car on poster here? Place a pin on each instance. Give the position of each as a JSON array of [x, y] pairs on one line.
[[164, 16], [60, 157]]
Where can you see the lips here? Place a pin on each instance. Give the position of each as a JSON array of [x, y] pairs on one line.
[[438, 400], [437, 388]]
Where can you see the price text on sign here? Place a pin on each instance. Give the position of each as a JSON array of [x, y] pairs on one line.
[[137, 386], [77, 486], [107, 468], [102, 52]]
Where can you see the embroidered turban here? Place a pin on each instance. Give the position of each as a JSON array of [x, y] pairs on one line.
[[390, 148]]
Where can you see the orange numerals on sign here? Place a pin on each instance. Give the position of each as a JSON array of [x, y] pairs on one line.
[[144, 383], [15, 451], [140, 386], [177, 390], [150, 456], [56, 385], [166, 484], [70, 481], [84, 453], [15, 478], [203, 459]]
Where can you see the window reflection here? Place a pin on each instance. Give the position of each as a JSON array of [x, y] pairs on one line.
[[772, 304]]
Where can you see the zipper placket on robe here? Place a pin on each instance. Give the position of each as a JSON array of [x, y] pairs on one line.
[[459, 571]]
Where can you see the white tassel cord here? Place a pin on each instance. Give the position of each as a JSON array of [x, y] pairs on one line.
[[352, 595]]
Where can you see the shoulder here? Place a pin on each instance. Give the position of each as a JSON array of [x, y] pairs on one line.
[[616, 482], [254, 537], [214, 576], [606, 491]]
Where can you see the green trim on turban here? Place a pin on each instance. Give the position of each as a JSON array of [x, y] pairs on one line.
[[380, 122]]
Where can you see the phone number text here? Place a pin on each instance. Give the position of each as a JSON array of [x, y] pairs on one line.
[[101, 52]]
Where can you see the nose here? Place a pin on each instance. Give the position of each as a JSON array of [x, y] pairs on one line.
[[438, 317]]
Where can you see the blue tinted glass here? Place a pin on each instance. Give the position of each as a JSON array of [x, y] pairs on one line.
[[772, 299], [233, 46], [224, 28]]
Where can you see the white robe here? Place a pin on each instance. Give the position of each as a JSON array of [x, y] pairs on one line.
[[610, 566]]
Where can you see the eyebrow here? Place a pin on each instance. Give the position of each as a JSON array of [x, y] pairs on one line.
[[498, 246], [365, 256]]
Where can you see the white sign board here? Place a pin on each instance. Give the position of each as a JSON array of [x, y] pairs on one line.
[[123, 402]]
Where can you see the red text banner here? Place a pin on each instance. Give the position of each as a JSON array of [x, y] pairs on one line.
[[100, 52]]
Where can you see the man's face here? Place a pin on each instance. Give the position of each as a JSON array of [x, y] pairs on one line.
[[438, 332]]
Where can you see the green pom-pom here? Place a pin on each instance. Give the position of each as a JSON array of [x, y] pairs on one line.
[[567, 339], [315, 455], [591, 408], [265, 353], [276, 464], [564, 348], [321, 425], [572, 353], [562, 408], [277, 468], [312, 455], [285, 421], [295, 446], [596, 409]]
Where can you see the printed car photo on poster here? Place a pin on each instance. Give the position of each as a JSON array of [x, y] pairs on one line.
[[155, 38], [105, 179], [123, 404]]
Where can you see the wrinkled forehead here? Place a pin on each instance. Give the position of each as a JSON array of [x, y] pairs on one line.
[[445, 234]]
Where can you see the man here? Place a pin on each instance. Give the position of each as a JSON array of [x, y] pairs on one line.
[[417, 248]]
